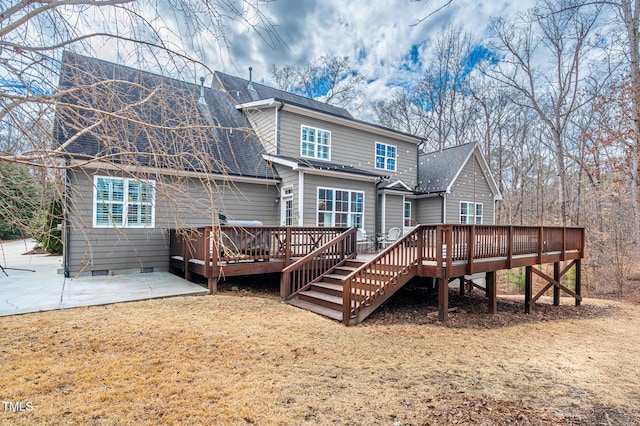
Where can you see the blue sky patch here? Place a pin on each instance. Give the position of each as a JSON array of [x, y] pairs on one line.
[[15, 86]]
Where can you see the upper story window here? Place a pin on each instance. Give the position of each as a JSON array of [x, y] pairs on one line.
[[386, 156], [123, 202], [315, 143], [470, 213]]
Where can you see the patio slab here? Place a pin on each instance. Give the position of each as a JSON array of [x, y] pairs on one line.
[[33, 284]]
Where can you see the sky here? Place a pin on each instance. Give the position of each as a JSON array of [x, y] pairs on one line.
[[383, 38]]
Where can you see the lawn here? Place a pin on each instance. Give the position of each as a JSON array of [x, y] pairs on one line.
[[248, 358]]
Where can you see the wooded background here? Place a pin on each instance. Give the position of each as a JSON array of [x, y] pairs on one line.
[[551, 95]]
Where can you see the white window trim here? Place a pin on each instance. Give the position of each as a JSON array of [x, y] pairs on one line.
[[315, 153], [404, 210], [375, 155], [474, 212], [125, 204], [333, 219], [287, 195]]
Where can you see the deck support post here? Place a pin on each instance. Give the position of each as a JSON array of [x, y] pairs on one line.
[[212, 250], [578, 263], [185, 259], [556, 289], [492, 292], [528, 289], [462, 284], [287, 247], [443, 299]]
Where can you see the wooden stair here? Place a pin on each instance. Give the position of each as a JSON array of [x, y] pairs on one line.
[[324, 296]]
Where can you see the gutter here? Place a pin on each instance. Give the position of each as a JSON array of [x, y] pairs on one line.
[[66, 249], [376, 217], [282, 104], [376, 221]]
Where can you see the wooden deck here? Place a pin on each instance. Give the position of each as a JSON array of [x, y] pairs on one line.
[[225, 251], [320, 268]]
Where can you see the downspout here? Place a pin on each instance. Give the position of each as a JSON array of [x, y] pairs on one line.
[[282, 104], [66, 262], [383, 212], [376, 221], [418, 149], [443, 195], [301, 198]]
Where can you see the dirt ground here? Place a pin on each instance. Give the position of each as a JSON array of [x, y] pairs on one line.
[[244, 357]]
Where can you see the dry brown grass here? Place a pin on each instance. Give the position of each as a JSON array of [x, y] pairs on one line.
[[233, 359]]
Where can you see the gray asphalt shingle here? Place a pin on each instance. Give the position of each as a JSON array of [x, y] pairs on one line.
[[438, 169], [151, 120], [238, 87]]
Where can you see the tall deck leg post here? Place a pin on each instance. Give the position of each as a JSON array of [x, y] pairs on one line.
[[556, 290], [462, 282], [443, 299], [185, 258], [213, 285], [578, 264], [528, 290], [492, 292]]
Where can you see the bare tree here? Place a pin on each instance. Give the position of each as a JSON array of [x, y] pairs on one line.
[[401, 112], [330, 79], [131, 122], [628, 11], [543, 53], [443, 90], [439, 106]]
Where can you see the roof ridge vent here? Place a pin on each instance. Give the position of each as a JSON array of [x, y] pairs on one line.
[[202, 100], [250, 86]]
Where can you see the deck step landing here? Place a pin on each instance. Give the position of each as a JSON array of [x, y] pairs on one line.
[[321, 310]]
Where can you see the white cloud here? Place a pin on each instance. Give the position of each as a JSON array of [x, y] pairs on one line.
[[377, 35]]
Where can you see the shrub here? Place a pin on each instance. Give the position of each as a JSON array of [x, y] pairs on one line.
[[18, 200], [51, 237]]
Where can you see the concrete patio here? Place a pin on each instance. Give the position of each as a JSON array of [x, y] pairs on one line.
[[33, 284]]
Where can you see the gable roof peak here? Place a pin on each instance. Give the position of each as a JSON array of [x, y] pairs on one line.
[[437, 170], [245, 91]]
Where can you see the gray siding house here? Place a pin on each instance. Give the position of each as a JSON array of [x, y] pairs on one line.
[[242, 149], [455, 185]]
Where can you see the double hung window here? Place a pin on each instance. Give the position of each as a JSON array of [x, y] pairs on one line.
[[315, 143], [470, 213], [123, 202], [386, 156]]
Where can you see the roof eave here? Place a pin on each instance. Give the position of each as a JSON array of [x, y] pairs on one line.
[[349, 122], [294, 165], [262, 103]]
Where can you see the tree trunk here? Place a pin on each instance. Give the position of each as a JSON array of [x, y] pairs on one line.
[[631, 20], [559, 157]]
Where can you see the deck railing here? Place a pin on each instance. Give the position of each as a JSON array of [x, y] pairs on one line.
[[303, 272], [211, 247], [371, 282], [446, 244]]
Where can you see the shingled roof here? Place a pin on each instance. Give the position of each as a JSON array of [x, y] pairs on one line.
[[239, 89], [439, 169], [120, 114], [324, 165]]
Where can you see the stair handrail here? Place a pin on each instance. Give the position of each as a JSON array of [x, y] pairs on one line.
[[413, 235], [343, 246]]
